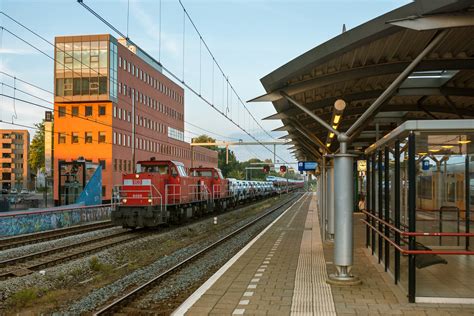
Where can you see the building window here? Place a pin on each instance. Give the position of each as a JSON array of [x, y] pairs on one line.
[[120, 164], [102, 163], [115, 138], [88, 137], [101, 138], [103, 190], [88, 111], [75, 111], [62, 138], [115, 164], [62, 111], [75, 138], [101, 110]]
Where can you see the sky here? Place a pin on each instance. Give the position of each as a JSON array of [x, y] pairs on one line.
[[248, 39]]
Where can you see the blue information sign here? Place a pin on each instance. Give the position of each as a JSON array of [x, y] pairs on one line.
[[425, 165], [306, 165]]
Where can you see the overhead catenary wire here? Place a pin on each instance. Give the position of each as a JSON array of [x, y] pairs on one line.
[[218, 65], [172, 74], [58, 133], [113, 28], [42, 89], [47, 55]]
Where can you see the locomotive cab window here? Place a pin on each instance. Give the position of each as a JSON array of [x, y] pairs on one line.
[[182, 171], [162, 170]]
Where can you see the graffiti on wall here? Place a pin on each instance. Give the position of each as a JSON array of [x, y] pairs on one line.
[[32, 223]]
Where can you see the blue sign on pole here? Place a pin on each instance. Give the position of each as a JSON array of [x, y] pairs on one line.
[[426, 165], [306, 165]]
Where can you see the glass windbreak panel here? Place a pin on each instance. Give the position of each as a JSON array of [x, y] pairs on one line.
[[404, 186], [441, 207], [441, 190], [391, 204]]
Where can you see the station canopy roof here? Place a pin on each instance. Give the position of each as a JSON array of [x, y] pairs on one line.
[[358, 66]]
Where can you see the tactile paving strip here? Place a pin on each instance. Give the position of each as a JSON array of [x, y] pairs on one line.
[[312, 294]]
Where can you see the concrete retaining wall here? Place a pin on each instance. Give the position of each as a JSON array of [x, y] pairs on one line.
[[18, 223]]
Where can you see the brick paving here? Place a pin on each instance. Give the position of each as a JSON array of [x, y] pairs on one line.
[[377, 295], [262, 281]]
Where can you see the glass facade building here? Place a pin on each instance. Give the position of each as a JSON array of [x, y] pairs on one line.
[[86, 68]]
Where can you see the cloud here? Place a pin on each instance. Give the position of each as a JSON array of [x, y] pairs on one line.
[[16, 51], [168, 43]]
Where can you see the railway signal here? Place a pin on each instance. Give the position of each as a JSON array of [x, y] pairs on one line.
[[282, 169], [266, 169]]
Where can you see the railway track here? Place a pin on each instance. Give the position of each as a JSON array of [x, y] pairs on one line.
[[17, 241], [127, 298], [27, 264]]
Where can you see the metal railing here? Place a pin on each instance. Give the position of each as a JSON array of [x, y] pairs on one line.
[[218, 193], [175, 196], [199, 192], [401, 232], [152, 193]]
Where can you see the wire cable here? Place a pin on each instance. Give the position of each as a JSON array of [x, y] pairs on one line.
[[81, 2]]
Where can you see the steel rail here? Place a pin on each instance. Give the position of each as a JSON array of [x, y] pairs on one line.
[[121, 300], [64, 255], [33, 238]]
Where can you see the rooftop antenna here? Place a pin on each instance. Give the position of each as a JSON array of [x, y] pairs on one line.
[[343, 28]]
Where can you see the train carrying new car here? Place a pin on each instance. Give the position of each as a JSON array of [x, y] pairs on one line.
[[161, 191]]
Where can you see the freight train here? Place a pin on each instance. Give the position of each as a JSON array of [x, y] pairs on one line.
[[161, 192]]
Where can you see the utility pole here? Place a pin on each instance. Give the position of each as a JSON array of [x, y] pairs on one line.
[[133, 130]]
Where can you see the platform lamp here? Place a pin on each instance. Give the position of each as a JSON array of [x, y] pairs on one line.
[[339, 107]]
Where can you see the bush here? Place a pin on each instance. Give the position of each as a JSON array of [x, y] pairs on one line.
[[24, 297], [98, 266]]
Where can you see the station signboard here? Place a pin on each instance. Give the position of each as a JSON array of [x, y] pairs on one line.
[[306, 166], [425, 165]]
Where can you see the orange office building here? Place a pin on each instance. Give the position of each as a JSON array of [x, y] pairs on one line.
[[114, 106]]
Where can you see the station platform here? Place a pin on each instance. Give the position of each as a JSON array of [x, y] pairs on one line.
[[283, 271]]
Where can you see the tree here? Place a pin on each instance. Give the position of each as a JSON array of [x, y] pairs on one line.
[[232, 165], [205, 139], [36, 158]]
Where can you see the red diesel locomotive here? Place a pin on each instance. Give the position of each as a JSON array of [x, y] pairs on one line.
[[162, 192]]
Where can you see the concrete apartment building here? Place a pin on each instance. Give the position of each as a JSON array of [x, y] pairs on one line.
[[14, 168], [113, 106]]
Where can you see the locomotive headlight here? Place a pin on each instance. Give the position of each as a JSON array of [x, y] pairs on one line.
[[124, 200], [137, 176], [150, 200]]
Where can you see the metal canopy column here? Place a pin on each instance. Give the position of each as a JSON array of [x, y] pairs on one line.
[[343, 203], [330, 201]]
